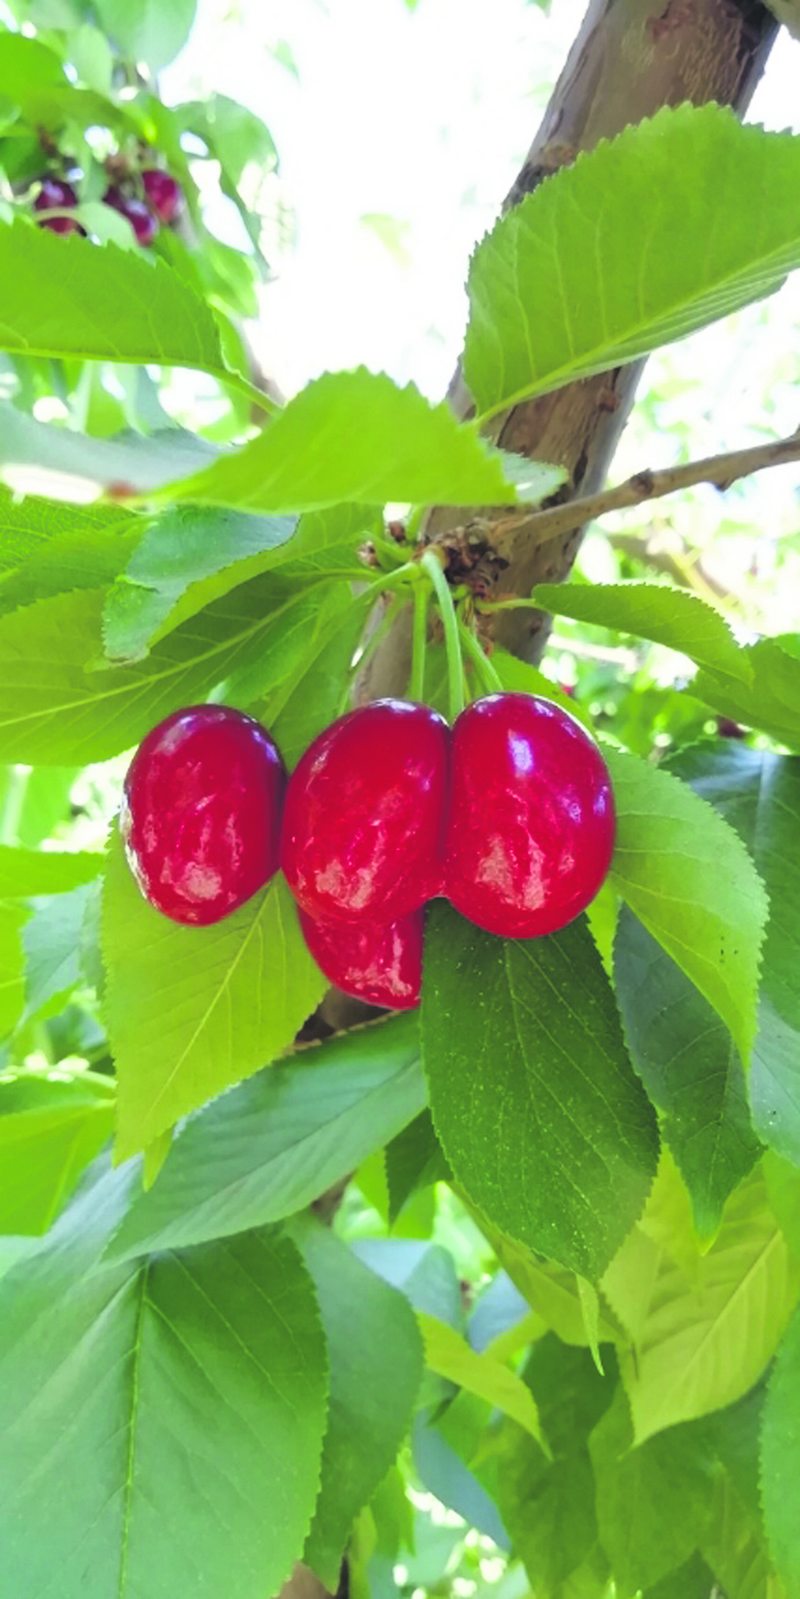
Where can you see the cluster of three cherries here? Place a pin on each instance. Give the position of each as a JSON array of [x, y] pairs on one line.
[[509, 815]]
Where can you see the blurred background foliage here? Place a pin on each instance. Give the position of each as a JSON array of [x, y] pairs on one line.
[[339, 160]]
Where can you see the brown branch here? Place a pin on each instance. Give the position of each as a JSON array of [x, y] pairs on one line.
[[719, 470]]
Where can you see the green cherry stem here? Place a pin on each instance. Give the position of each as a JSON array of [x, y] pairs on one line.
[[487, 674], [431, 564], [419, 642]]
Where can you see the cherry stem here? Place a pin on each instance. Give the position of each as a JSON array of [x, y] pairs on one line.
[[507, 605], [419, 642], [452, 642], [487, 673], [396, 604]]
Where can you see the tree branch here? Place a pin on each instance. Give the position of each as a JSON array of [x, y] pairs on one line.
[[720, 470]]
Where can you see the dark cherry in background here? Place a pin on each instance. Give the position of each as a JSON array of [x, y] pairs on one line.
[[364, 815], [530, 829], [380, 965], [141, 218], [163, 194], [55, 194], [201, 813]]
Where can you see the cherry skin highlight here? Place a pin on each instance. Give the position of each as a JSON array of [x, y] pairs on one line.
[[141, 218], [201, 811], [362, 826], [163, 194], [57, 195], [380, 964], [530, 829]]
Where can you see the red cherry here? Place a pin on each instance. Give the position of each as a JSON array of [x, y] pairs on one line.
[[163, 194], [201, 813], [55, 195], [381, 965], [362, 827], [531, 823], [141, 218]]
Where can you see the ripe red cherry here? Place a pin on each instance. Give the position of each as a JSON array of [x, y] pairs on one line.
[[57, 195], [163, 194], [531, 822], [201, 812], [362, 827], [381, 965], [141, 218]]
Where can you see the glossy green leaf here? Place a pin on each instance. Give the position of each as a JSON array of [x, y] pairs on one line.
[[656, 611], [375, 1370], [690, 1067], [642, 240], [303, 705], [152, 31], [103, 303], [86, 559], [192, 1010], [780, 1458], [60, 709], [356, 436], [758, 793], [450, 1356], [704, 1338], [271, 1146], [51, 1127], [688, 878], [533, 1098], [206, 1368], [772, 700], [653, 1502]]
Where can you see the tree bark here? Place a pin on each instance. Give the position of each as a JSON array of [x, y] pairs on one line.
[[630, 58]]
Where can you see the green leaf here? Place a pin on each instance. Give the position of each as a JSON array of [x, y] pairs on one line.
[[771, 701], [693, 1580], [691, 1069], [780, 1458], [186, 559], [54, 939], [191, 1010], [548, 1507], [315, 694], [59, 710], [38, 459], [375, 1371], [189, 558], [204, 1369], [691, 882], [234, 134], [152, 31], [414, 1160], [83, 560], [12, 966], [356, 436], [654, 1502], [555, 1294], [656, 611], [51, 1127], [450, 1356], [25, 873], [759, 795], [61, 298], [639, 242], [269, 1147], [28, 525], [702, 1340], [532, 1094]]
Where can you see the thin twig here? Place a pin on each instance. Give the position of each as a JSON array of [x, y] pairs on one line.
[[719, 470]]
